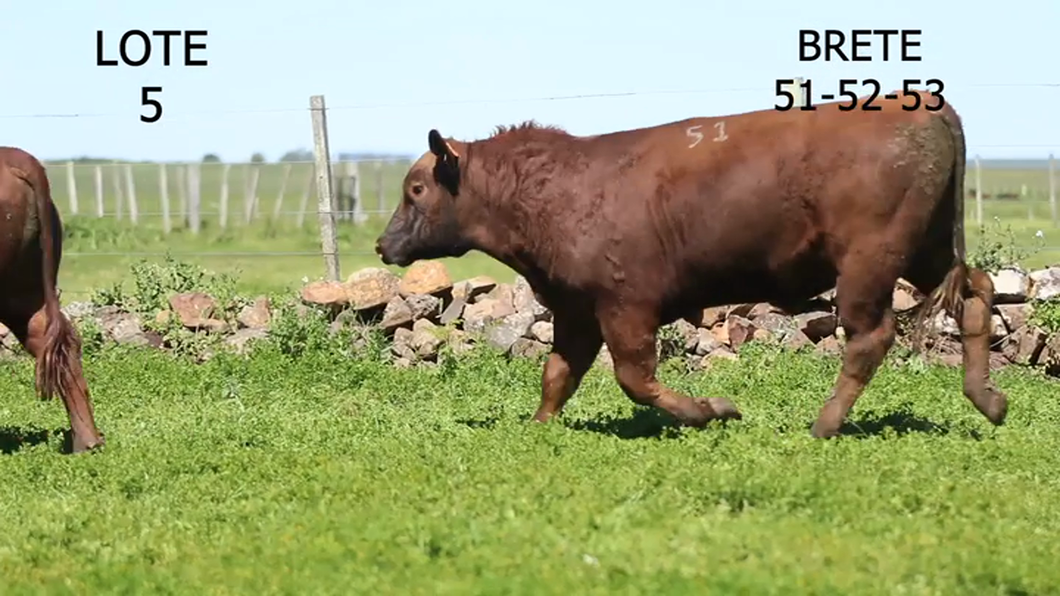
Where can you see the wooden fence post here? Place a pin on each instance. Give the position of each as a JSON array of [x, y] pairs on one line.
[[322, 153], [71, 185]]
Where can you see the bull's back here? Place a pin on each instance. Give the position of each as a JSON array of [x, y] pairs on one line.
[[755, 195]]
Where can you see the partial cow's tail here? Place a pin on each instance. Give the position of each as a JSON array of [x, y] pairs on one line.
[[61, 340], [949, 295]]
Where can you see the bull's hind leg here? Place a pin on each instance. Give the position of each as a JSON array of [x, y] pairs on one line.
[[864, 298], [64, 361], [630, 333], [930, 274]]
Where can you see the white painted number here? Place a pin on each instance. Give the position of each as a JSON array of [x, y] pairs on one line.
[[721, 132], [693, 132]]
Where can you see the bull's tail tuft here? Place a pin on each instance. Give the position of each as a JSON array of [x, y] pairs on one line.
[[62, 343], [949, 295]]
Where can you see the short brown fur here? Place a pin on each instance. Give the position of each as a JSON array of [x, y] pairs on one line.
[[30, 253], [621, 233]]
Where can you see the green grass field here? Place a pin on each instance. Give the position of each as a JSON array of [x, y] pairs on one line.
[[337, 474]]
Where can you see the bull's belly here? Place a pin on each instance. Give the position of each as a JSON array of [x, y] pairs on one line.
[[787, 286]]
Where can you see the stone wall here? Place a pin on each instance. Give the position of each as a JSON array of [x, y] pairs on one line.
[[424, 311]]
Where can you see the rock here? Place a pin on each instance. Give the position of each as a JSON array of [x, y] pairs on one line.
[[903, 297], [720, 333], [479, 314], [542, 331], [706, 342], [78, 310], [762, 309], [453, 312], [195, 311], [740, 331], [425, 277], [425, 339], [401, 346], [325, 293], [1011, 285], [469, 289], [712, 316], [1050, 356], [1045, 283], [945, 324], [241, 339], [528, 348], [424, 306], [125, 328], [396, 314], [10, 341], [371, 287], [829, 346], [1025, 345], [525, 300], [796, 340], [503, 333], [719, 353], [459, 342], [685, 336], [255, 315], [604, 358], [764, 336], [1014, 315], [997, 328], [775, 324], [817, 325], [740, 310]]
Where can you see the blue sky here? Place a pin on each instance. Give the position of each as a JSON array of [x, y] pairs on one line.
[[382, 65]]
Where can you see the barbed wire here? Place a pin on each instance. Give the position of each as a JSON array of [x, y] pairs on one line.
[[390, 105]]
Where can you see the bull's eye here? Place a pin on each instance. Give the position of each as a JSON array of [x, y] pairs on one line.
[[417, 189]]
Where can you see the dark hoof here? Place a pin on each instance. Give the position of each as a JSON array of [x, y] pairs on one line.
[[703, 410], [80, 445], [996, 407], [724, 409], [824, 431]]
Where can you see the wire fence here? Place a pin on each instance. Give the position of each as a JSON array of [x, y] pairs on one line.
[[274, 210]]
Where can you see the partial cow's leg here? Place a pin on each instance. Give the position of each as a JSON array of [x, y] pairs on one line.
[[31, 331], [928, 272], [575, 344], [630, 334], [975, 339], [865, 308]]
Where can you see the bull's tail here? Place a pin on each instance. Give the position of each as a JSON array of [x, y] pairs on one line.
[[61, 340], [949, 295]]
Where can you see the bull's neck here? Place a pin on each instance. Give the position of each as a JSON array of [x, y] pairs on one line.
[[496, 222]]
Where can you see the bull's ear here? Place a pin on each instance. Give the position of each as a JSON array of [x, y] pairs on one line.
[[447, 164]]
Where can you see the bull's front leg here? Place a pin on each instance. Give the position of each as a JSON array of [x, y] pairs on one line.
[[630, 333], [576, 342]]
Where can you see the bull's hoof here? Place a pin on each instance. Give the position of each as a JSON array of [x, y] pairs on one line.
[[724, 409], [994, 405], [703, 410], [824, 430], [83, 444]]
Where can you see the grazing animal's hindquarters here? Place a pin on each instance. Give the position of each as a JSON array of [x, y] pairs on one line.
[[30, 252], [619, 234]]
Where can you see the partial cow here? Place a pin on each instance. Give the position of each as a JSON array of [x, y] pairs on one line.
[[30, 252], [621, 233]]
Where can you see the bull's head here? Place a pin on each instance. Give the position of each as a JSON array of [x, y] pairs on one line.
[[426, 224]]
